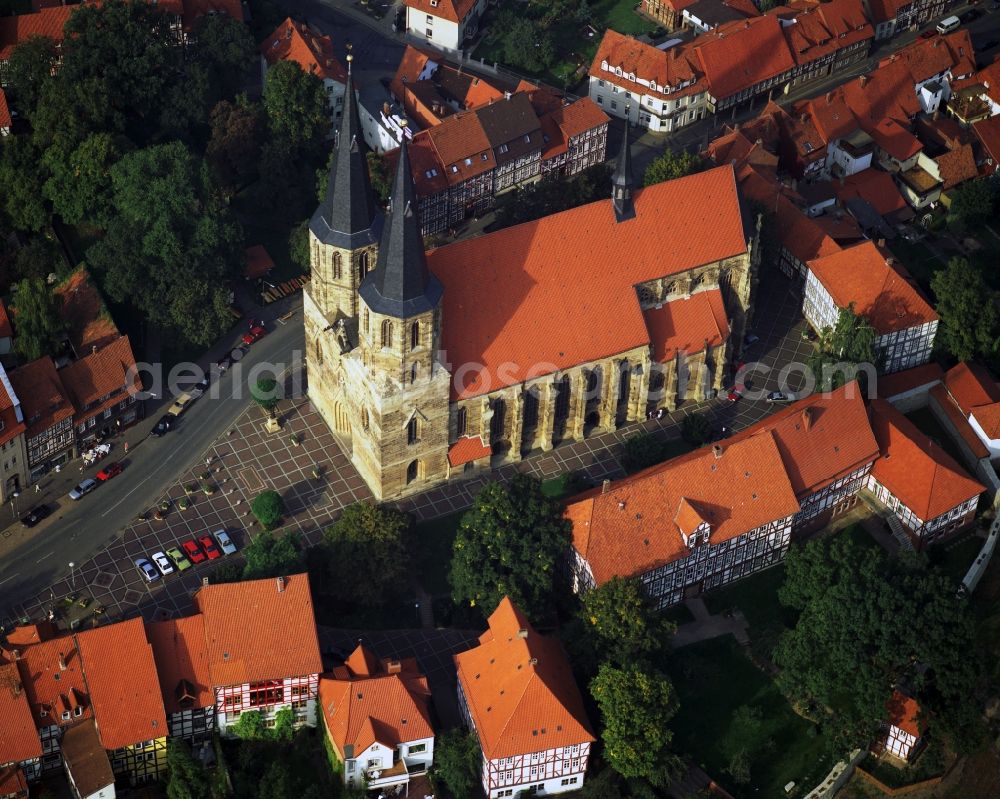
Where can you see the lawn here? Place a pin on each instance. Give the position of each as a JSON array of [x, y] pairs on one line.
[[757, 597], [432, 549], [918, 258], [713, 680], [955, 559]]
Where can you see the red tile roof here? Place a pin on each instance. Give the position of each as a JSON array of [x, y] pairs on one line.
[[20, 738], [916, 470], [742, 53], [43, 398], [541, 295], [11, 416], [960, 421], [971, 385], [466, 449], [85, 314], [98, 374], [661, 68], [577, 117], [988, 132], [6, 331], [903, 712], [5, 118], [896, 140], [636, 525], [83, 751], [121, 677], [47, 22], [259, 630], [259, 262], [31, 633], [375, 705], [875, 187], [897, 383], [882, 291], [451, 10], [957, 166], [181, 657], [520, 689], [313, 52], [459, 139], [13, 783], [888, 92], [824, 28], [687, 325], [49, 686]]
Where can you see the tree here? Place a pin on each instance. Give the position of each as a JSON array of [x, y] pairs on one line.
[[36, 316], [225, 49], [235, 142], [30, 66], [527, 45], [623, 623], [249, 726], [298, 246], [266, 393], [458, 761], [186, 777], [670, 165], [79, 184], [21, 200], [973, 201], [268, 507], [381, 180], [556, 193], [696, 429], [508, 544], [172, 245], [284, 725], [367, 553], [636, 705], [37, 259], [641, 451], [970, 323], [268, 556], [584, 14], [297, 109], [849, 344]]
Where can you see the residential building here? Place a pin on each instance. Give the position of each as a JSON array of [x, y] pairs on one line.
[[86, 763], [88, 323], [516, 692], [313, 52], [977, 394], [702, 16], [5, 117], [263, 653], [934, 64], [988, 134], [102, 387], [880, 290], [903, 733], [181, 656], [890, 17], [876, 190], [20, 747], [392, 348], [377, 719], [19, 28], [669, 13], [717, 514], [48, 416], [445, 24], [13, 447], [930, 494], [184, 15], [953, 168]]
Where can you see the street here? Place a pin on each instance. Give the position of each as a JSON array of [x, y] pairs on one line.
[[78, 530]]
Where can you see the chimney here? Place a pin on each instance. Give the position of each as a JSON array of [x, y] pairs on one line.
[[807, 418], [862, 81], [93, 348], [621, 505], [890, 261], [829, 96], [393, 667], [880, 243], [15, 654], [204, 582], [717, 451], [533, 662], [281, 584], [62, 662], [605, 486], [522, 633]]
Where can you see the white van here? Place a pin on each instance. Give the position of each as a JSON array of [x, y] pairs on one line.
[[948, 24]]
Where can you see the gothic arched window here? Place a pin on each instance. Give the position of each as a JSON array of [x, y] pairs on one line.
[[461, 421], [412, 431], [412, 471], [386, 333], [363, 268], [319, 353], [415, 335], [337, 265]]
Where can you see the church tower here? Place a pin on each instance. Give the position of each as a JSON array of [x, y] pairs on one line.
[[343, 246], [622, 184], [397, 386]]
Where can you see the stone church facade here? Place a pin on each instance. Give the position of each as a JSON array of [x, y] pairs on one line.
[[398, 340]]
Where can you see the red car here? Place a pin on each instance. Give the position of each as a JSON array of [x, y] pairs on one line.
[[256, 334], [930, 33], [735, 393], [193, 552], [209, 546], [109, 471]]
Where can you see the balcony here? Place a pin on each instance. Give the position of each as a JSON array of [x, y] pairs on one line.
[[396, 774]]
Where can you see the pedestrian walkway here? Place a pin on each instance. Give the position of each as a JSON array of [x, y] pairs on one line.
[[706, 626]]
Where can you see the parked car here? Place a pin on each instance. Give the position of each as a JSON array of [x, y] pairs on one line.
[[778, 396], [146, 570], [163, 563], [193, 551], [164, 425], [930, 33], [750, 338], [228, 547], [209, 547], [256, 334], [734, 394], [182, 563], [109, 471], [181, 404], [35, 515], [85, 487]]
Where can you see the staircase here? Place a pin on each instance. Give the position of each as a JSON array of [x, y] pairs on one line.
[[890, 518]]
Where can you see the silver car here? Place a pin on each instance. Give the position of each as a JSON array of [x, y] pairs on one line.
[[163, 563], [225, 542], [83, 488]]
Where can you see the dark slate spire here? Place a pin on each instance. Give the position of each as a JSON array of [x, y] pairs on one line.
[[348, 217], [622, 184], [400, 284]]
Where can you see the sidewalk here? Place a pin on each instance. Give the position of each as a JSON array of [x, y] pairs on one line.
[[706, 626]]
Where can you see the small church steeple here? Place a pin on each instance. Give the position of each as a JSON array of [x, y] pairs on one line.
[[622, 183], [401, 285], [349, 217]]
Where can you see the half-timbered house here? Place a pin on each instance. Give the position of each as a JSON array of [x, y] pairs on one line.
[[181, 656], [48, 414], [902, 731], [20, 747], [516, 692]]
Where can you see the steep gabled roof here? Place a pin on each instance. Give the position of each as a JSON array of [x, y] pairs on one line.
[[84, 312], [83, 749], [874, 186], [738, 55], [181, 658], [971, 385], [295, 41], [21, 27], [903, 711], [20, 739], [687, 325], [43, 398], [451, 10], [98, 374], [49, 685], [520, 689], [956, 166]]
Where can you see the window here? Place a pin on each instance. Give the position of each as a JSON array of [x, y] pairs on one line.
[[412, 431], [107, 413], [614, 105], [364, 419], [430, 20], [270, 692], [386, 333], [429, 33], [413, 373], [337, 261], [503, 148], [415, 335], [412, 471], [368, 322], [415, 749], [319, 353], [363, 265], [600, 100], [350, 766], [461, 421]]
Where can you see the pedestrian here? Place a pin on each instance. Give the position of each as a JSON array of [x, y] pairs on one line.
[[38, 487], [126, 448], [659, 413]]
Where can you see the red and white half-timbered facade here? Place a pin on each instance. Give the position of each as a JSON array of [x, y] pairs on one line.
[[902, 731], [516, 692]]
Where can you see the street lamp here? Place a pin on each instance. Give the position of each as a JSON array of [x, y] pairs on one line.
[[13, 504], [72, 574]]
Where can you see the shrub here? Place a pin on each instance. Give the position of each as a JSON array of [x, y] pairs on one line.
[[640, 451], [267, 507]]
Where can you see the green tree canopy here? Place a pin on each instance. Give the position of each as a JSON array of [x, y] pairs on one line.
[[458, 761], [378, 171], [38, 258], [186, 777], [30, 67], [21, 201], [527, 45], [866, 621], [39, 326], [266, 393], [508, 544], [268, 556], [79, 185], [224, 48], [267, 506], [636, 704], [970, 323], [670, 165], [973, 201], [235, 142], [623, 623], [850, 343], [367, 553], [172, 245], [298, 111]]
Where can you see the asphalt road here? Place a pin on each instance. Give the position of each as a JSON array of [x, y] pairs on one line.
[[78, 530]]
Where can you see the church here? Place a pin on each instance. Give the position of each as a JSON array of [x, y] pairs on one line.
[[429, 365]]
